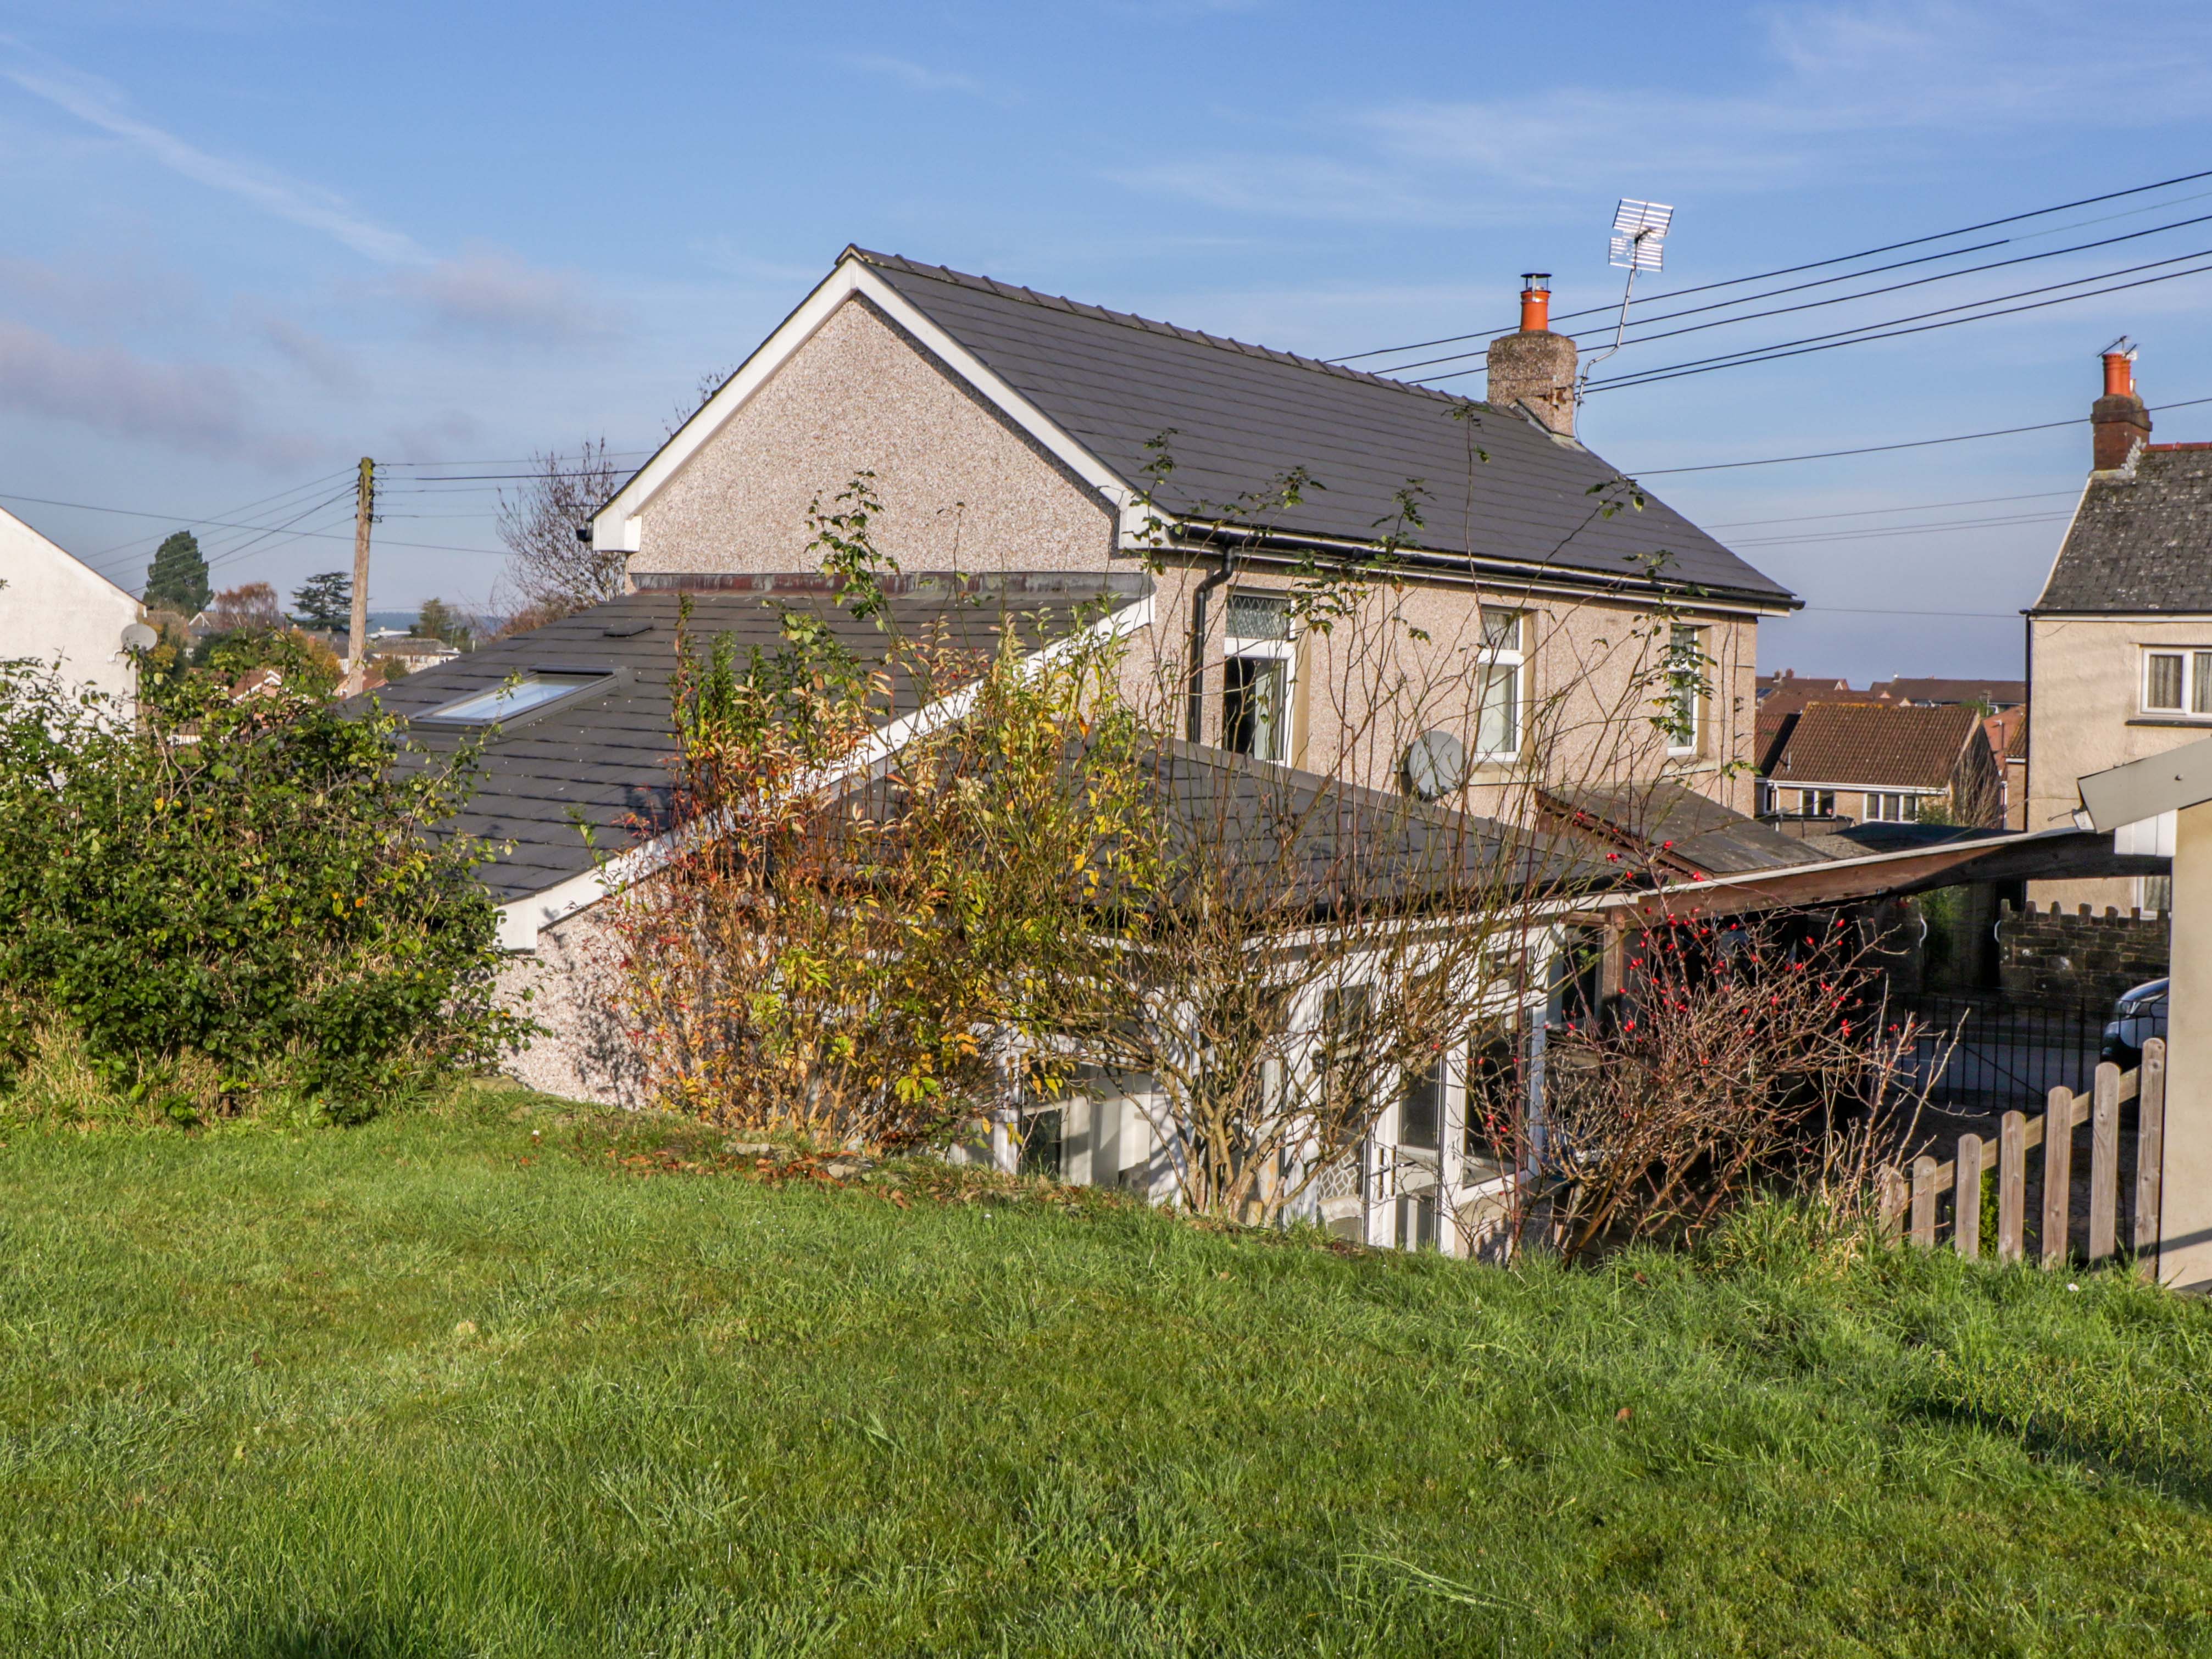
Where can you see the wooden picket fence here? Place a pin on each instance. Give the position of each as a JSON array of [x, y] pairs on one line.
[[1909, 1199]]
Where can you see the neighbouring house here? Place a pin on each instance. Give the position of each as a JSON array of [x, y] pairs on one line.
[[2007, 731], [1883, 762], [1006, 429], [55, 608], [2119, 640], [406, 648], [1993, 696], [1808, 686]]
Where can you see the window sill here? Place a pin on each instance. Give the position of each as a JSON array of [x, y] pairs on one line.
[[2196, 722]]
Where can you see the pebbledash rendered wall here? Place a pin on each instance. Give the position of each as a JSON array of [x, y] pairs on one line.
[[571, 986], [961, 487]]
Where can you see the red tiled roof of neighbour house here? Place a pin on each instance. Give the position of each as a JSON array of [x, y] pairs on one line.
[[1779, 709], [2008, 733], [1880, 746]]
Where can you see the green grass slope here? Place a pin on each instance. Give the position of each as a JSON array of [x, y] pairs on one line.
[[432, 1388]]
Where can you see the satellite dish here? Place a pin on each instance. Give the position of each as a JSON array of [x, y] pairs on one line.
[[139, 637], [1436, 765]]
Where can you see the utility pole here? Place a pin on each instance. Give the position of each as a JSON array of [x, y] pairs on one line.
[[364, 512]]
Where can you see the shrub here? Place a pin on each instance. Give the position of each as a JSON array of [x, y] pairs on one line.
[[245, 887]]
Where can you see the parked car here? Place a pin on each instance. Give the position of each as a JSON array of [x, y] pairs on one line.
[[2137, 1017]]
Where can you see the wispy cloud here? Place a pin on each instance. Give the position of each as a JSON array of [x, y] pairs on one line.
[[326, 364], [1846, 85], [491, 293], [919, 77], [99, 104], [199, 408]]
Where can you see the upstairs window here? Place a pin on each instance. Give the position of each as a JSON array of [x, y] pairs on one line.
[[2177, 682], [1497, 722], [1682, 688], [1256, 680]]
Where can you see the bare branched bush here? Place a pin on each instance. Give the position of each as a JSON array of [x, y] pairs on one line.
[[552, 571], [1743, 1054]]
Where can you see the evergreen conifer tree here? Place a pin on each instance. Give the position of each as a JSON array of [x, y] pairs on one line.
[[324, 602], [178, 579]]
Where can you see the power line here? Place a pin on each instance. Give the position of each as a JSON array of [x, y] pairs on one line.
[[1817, 265], [99, 561], [1891, 531], [1871, 512], [1915, 443], [1816, 343], [89, 507]]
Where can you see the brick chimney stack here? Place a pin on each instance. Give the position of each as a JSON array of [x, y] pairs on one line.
[[2118, 421], [1535, 366]]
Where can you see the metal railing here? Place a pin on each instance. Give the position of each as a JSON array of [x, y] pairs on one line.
[[2004, 1053]]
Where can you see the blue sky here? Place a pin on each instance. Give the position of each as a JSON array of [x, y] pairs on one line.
[[249, 240]]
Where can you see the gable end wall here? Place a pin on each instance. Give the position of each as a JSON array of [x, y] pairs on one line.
[[959, 483]]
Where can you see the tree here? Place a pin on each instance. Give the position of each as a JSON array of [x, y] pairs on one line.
[[250, 608], [441, 621], [178, 579], [552, 571], [324, 602]]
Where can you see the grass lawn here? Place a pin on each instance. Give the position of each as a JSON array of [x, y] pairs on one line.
[[430, 1387]]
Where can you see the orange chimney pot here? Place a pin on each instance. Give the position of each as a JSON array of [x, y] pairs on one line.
[[1537, 302], [2119, 373]]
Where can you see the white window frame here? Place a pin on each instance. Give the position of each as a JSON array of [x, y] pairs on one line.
[[2194, 665], [1284, 651], [1507, 650], [1695, 745], [1809, 802], [1907, 802]]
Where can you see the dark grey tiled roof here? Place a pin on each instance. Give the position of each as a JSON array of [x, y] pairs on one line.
[[1242, 415], [2143, 538], [602, 760], [1663, 815]]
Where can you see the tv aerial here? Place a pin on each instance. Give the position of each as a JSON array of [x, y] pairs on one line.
[[1639, 243]]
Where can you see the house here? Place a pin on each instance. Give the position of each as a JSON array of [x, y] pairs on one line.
[[1807, 686], [1877, 763], [2119, 640], [1994, 696], [2007, 731], [55, 608], [1005, 429], [1032, 454], [575, 790]]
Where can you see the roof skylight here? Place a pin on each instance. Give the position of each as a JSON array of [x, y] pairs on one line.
[[524, 695]]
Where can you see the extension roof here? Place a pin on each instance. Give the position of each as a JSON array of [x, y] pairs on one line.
[[2141, 541], [1100, 389], [1675, 829], [602, 762], [1874, 745]]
